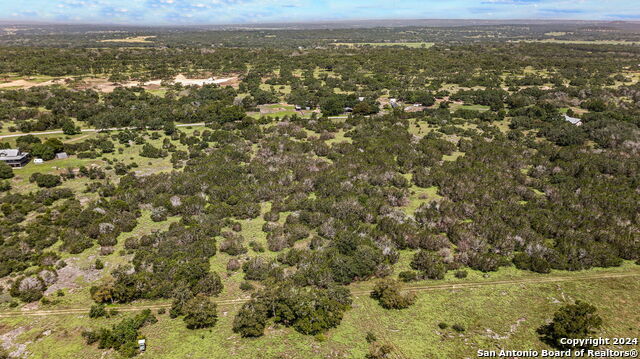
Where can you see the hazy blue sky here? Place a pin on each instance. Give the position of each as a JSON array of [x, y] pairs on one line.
[[257, 11]]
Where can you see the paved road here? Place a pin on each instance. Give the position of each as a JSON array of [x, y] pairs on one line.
[[92, 130], [449, 286]]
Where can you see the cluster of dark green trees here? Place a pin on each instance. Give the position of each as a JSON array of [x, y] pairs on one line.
[[55, 107], [576, 321], [122, 337], [308, 310]]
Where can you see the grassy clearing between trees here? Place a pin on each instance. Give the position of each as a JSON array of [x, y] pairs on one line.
[[130, 154], [501, 316], [134, 39], [380, 44]]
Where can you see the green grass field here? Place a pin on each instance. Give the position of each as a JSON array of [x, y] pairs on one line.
[[282, 89], [129, 154], [500, 316], [470, 107]]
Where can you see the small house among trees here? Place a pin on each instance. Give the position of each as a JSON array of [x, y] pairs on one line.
[[573, 120], [14, 158]]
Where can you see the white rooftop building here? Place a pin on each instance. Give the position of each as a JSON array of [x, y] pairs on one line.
[[14, 158], [573, 120]]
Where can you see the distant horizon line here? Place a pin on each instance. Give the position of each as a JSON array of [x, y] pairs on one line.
[[10, 22]]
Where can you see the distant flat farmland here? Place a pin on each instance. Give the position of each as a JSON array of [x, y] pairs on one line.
[[136, 39], [406, 44], [585, 42]]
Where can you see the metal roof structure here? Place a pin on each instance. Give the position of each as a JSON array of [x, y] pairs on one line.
[[12, 155], [573, 120]]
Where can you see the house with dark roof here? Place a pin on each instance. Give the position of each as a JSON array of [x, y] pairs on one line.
[[14, 158]]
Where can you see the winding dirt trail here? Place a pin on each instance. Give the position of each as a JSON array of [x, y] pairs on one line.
[[230, 302], [92, 130]]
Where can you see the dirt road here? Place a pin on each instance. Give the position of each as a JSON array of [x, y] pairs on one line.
[[91, 130], [424, 288]]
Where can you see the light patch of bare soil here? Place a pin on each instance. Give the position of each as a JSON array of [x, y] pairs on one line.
[[76, 139], [512, 329], [133, 39], [103, 85], [10, 30], [267, 110], [185, 81], [8, 342], [106, 86], [31, 306], [73, 273], [413, 108], [181, 79], [25, 84]]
